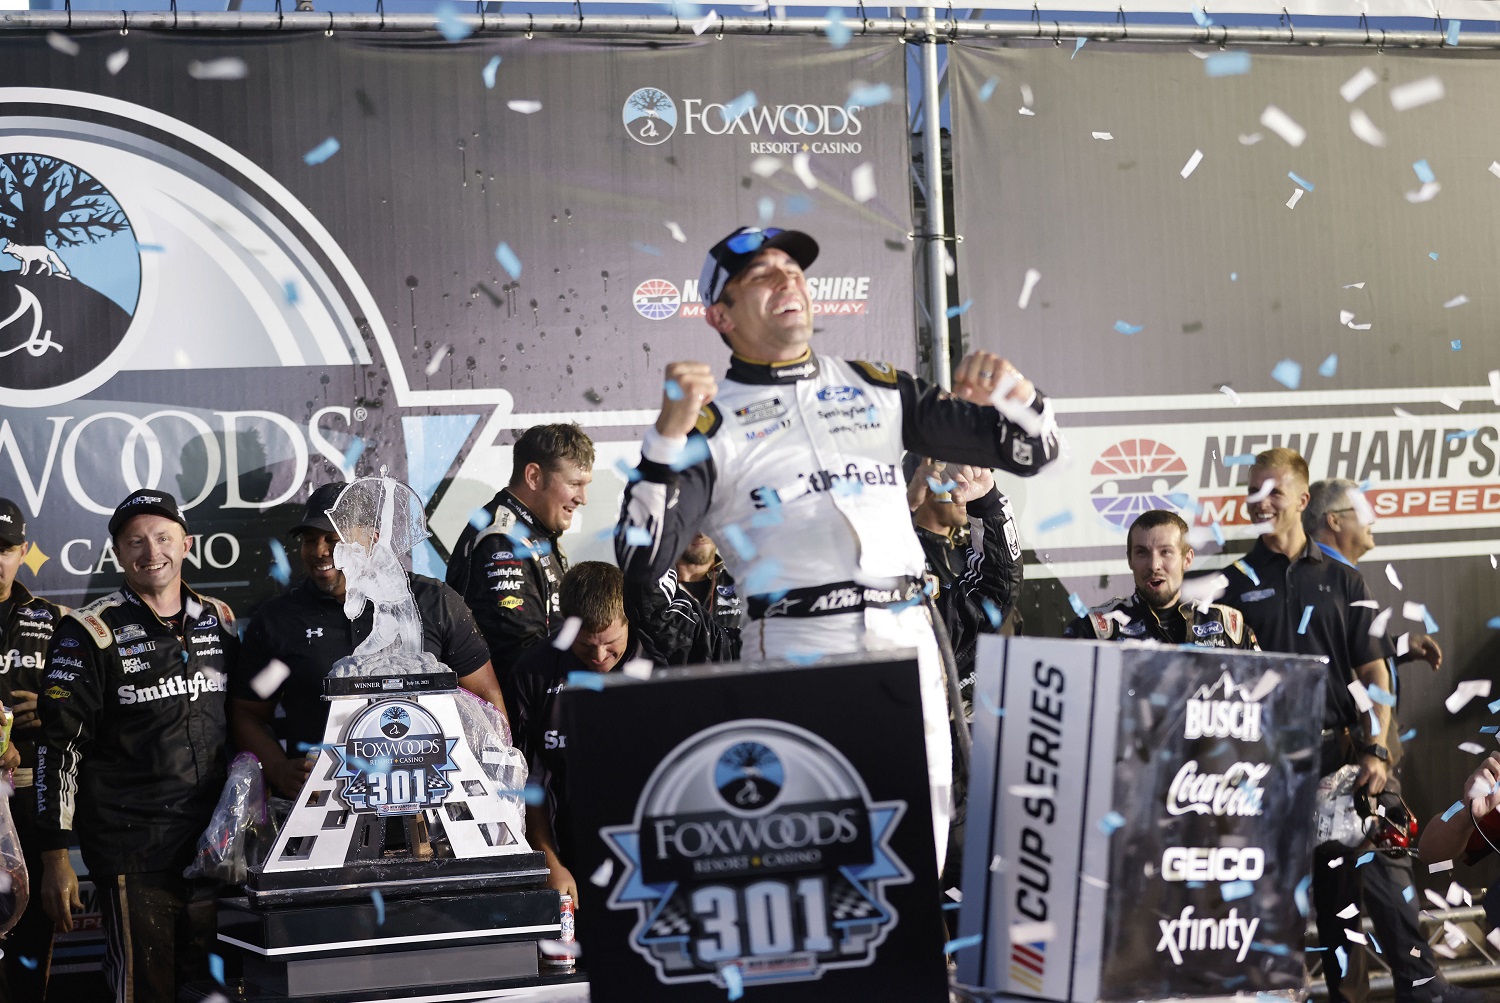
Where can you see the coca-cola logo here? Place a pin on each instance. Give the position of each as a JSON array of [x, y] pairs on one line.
[[1235, 792]]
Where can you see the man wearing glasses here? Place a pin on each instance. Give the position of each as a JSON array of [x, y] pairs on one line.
[[798, 456]]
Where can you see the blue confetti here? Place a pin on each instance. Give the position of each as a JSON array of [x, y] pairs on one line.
[[1111, 823], [1077, 604], [1233, 276], [803, 657], [281, 570], [637, 536], [673, 390], [1490, 729], [848, 486], [1493, 624], [991, 612], [655, 252], [30, 963], [450, 24], [693, 452], [1280, 950], [1343, 956], [1249, 573], [1456, 344], [1453, 25], [1077, 44], [941, 487], [762, 574], [1379, 695], [1125, 327], [1227, 64], [962, 943], [1428, 622], [987, 89], [990, 705], [216, 968], [1465, 434], [1453, 809], [1057, 521], [1234, 890], [1288, 373], [796, 205], [868, 96], [532, 793], [1300, 180], [837, 31], [766, 208], [489, 71], [1240, 460], [151, 248], [1218, 533], [951, 906], [353, 453], [734, 981], [1424, 173], [586, 680], [321, 152], [379, 901], [1433, 255], [1408, 735], [1306, 616], [289, 292], [480, 518], [1203, 19], [1494, 705], [1364, 858], [740, 542], [962, 308], [508, 260], [1300, 893], [1409, 893], [1329, 366], [626, 471], [734, 109]]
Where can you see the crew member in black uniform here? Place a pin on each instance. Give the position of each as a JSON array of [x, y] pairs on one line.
[[1159, 555], [692, 615], [131, 755], [507, 563], [28, 623], [594, 592], [307, 631]]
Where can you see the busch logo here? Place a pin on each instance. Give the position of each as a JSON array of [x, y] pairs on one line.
[[1214, 712]]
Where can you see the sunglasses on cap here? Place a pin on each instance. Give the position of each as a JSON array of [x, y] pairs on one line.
[[751, 240]]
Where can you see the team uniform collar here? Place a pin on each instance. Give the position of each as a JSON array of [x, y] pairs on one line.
[[525, 514], [1333, 553], [745, 370]]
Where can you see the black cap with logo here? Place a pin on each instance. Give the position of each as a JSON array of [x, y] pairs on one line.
[[315, 515], [12, 523], [146, 501], [733, 254]]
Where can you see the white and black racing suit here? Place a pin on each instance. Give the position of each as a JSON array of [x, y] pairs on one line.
[[795, 469]]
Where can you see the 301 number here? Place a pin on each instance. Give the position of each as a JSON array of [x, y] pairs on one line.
[[398, 787], [760, 920]]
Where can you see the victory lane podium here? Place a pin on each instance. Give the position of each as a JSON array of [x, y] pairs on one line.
[[757, 824], [1139, 818]]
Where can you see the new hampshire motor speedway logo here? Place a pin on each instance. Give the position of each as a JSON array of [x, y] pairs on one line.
[[1138, 475], [394, 760], [656, 299], [755, 844]]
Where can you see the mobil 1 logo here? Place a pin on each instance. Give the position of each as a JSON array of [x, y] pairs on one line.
[[756, 845]]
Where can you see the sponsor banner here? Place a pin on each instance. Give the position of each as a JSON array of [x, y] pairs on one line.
[[193, 301], [790, 848], [1147, 855], [394, 760]]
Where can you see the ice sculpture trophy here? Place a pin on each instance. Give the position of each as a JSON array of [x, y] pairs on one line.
[[403, 868]]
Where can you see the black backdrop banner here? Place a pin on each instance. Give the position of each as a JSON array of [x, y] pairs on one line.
[[236, 266], [1220, 264]]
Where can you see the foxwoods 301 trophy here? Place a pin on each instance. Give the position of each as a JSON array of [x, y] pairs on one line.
[[403, 868]]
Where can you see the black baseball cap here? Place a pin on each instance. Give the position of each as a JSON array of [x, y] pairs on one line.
[[146, 501], [315, 515], [12, 523], [730, 256]]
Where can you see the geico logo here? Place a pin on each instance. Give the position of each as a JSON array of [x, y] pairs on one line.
[[217, 550], [773, 120], [1223, 719], [1213, 863], [74, 445]]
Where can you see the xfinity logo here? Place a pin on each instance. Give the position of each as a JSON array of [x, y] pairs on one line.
[[1187, 934]]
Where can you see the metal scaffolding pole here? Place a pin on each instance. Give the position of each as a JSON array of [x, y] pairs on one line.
[[932, 162]]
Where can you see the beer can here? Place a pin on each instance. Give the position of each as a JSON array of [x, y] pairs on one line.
[[561, 960]]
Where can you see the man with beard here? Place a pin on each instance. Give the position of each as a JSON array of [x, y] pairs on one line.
[[130, 758], [692, 615], [507, 562], [1159, 556], [306, 630]]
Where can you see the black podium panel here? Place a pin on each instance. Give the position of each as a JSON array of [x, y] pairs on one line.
[[767, 824]]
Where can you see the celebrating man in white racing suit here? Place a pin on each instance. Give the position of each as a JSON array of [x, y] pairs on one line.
[[793, 461]]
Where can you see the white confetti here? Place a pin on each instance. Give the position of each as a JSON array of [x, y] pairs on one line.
[[1364, 129], [436, 362], [1355, 936], [1493, 937], [676, 231], [524, 106], [1291, 203], [803, 170], [1465, 691], [1456, 893], [1250, 139], [1358, 84], [269, 679], [1458, 300], [1381, 621], [764, 166], [1403, 644], [1345, 316], [602, 874], [1417, 93], [955, 894], [1031, 933], [555, 947], [1349, 911], [1032, 278], [1355, 285], [705, 22], [637, 668], [1414, 611], [1451, 401], [1281, 123], [862, 182], [1390, 572], [1495, 385], [1441, 865], [1031, 791], [62, 43], [1103, 135], [1495, 168], [1426, 193], [228, 68], [1229, 392], [567, 633], [1366, 603], [1264, 686], [1025, 111], [115, 61], [1192, 164], [494, 757], [1361, 696], [1471, 747]]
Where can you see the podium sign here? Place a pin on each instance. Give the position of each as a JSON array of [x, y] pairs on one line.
[[1139, 816], [763, 825]]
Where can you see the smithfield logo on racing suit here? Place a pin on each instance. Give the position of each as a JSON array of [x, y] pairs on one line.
[[1138, 475], [851, 480], [394, 760], [14, 658], [756, 844], [192, 687], [1222, 710], [656, 299]]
